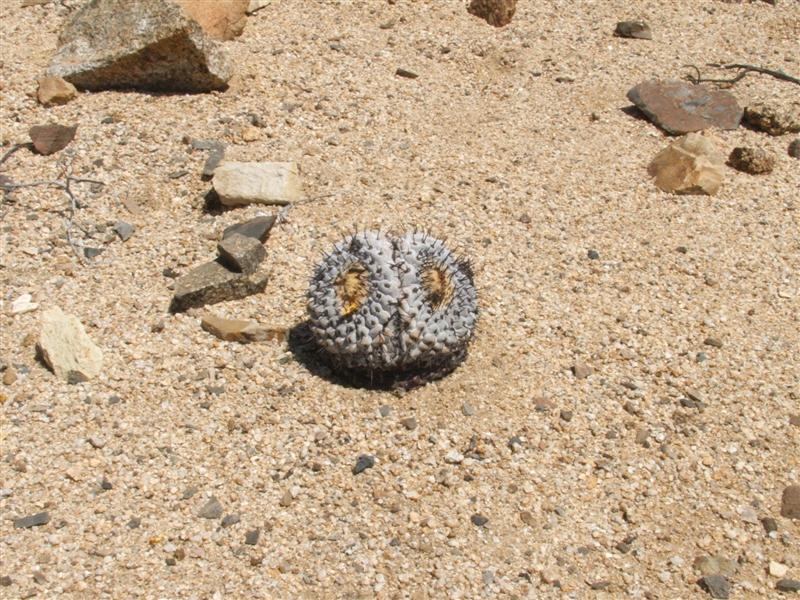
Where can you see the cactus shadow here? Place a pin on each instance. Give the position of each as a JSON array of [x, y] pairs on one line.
[[307, 352]]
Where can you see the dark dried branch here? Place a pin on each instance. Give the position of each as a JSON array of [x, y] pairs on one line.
[[744, 70]]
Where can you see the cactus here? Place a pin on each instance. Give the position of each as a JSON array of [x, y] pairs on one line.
[[396, 308]]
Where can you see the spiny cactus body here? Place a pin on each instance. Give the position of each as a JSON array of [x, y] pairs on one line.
[[382, 305]]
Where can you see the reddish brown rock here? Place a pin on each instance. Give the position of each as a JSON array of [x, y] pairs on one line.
[[690, 165], [48, 139], [679, 107], [54, 90], [755, 161], [790, 502], [494, 12], [220, 19]]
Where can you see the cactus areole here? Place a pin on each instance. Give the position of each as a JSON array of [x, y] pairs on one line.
[[398, 307]]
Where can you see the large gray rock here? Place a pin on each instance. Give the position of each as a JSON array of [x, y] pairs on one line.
[[144, 44], [67, 349], [240, 183], [211, 283], [679, 107]]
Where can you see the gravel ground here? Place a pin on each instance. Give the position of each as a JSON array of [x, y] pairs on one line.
[[513, 143]]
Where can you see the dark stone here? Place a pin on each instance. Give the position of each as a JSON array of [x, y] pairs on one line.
[[406, 73], [241, 254], [90, 252], [755, 161], [593, 254], [633, 29], [788, 585], [497, 13], [211, 283], [171, 562], [215, 157], [717, 586], [713, 342], [409, 423], [41, 518], [478, 520], [105, 484], [794, 148], [566, 415], [229, 520], [257, 228], [5, 581], [790, 502], [134, 523], [364, 462], [769, 524], [251, 537], [680, 107], [49, 139]]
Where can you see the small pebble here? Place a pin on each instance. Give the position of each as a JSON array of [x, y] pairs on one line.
[[251, 537], [467, 410], [788, 585], [478, 520], [385, 410], [364, 462], [717, 586], [211, 509], [409, 423], [714, 342], [593, 255], [229, 520]]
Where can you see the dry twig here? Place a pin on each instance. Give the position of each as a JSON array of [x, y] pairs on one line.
[[744, 69]]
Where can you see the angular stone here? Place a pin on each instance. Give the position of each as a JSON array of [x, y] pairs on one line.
[[221, 19], [239, 330], [258, 228], [755, 161], [142, 44], [633, 29], [794, 148], [581, 370], [49, 139], [364, 462], [790, 502], [716, 585], [124, 230], [715, 565], [241, 254], [495, 12], [679, 107], [777, 569], [211, 283], [239, 183], [54, 90], [251, 537], [770, 119], [690, 165], [67, 349], [215, 156], [41, 518], [23, 304], [211, 509]]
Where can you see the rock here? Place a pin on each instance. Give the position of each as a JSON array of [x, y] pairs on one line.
[[715, 565], [384, 410], [716, 585], [239, 183], [364, 462], [49, 139], [67, 349], [772, 120], [633, 29], [777, 569], [54, 90], [713, 342], [256, 5], [124, 230], [211, 283], [251, 537], [221, 20], [241, 254], [467, 410], [454, 457], [527, 518], [400, 72], [239, 330], [286, 499], [478, 520], [229, 520], [790, 502], [5, 581], [755, 161], [679, 107], [769, 524], [23, 304], [215, 157], [90, 252], [788, 585], [690, 165], [409, 423], [141, 44], [36, 520], [257, 228], [794, 148], [9, 376], [593, 255], [495, 12], [581, 370], [211, 509]]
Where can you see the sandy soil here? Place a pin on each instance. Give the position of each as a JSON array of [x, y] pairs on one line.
[[522, 173]]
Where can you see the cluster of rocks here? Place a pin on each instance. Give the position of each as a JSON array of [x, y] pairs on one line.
[[234, 274], [693, 164]]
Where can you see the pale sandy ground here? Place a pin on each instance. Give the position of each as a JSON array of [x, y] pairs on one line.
[[465, 150]]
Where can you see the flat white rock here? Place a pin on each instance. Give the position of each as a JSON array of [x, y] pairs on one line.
[[23, 304], [66, 347], [241, 183]]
